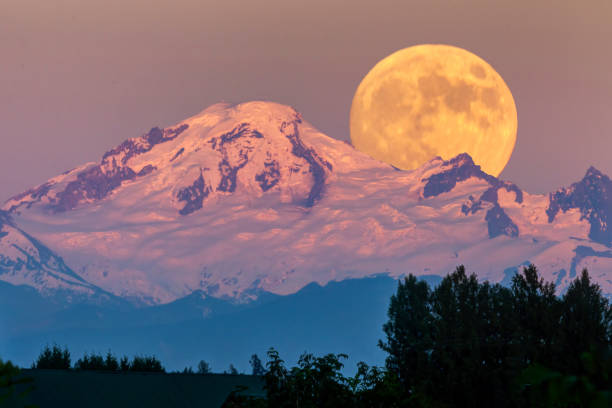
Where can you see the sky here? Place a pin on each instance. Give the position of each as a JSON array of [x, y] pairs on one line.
[[77, 77]]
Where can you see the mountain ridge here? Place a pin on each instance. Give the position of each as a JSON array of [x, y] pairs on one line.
[[250, 198]]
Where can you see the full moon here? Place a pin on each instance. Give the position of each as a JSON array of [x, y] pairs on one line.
[[434, 100]]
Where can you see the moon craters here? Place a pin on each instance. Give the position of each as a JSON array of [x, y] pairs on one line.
[[478, 71], [434, 100], [490, 97], [458, 96]]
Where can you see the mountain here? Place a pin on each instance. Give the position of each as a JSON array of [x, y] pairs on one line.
[[181, 333], [25, 261], [243, 200]]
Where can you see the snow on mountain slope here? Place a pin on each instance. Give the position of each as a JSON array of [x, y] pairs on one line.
[[248, 198], [26, 261]]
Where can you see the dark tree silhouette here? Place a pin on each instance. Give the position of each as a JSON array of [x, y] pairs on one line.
[[463, 343], [203, 367], [537, 311], [256, 365], [124, 364], [97, 363], [409, 333], [10, 379], [53, 358], [146, 364], [110, 362], [586, 318]]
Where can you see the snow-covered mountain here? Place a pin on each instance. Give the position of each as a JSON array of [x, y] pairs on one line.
[[26, 261], [249, 198]]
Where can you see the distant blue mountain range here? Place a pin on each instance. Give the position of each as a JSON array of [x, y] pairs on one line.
[[341, 317]]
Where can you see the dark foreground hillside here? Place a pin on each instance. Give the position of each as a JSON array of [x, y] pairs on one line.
[[68, 389]]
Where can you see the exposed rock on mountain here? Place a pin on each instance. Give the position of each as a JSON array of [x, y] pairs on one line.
[[26, 261], [592, 196], [248, 198]]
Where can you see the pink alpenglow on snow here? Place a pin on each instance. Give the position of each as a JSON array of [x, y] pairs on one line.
[[248, 198]]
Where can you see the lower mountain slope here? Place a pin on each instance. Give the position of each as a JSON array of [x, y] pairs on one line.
[[25, 261]]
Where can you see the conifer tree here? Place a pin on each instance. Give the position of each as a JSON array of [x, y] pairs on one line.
[[203, 367], [585, 322], [409, 333], [537, 311], [256, 365], [53, 358]]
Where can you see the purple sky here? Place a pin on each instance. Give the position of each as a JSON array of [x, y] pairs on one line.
[[78, 77]]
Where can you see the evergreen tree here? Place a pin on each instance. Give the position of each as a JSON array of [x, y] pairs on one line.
[[53, 358], [110, 362], [146, 364], [409, 333], [276, 380], [203, 367], [467, 344], [256, 365], [585, 323], [96, 362], [91, 362], [468, 351], [537, 310], [124, 364]]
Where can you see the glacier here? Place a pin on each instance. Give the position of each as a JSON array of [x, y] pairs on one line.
[[242, 200]]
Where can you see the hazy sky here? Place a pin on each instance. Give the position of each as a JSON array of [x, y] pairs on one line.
[[79, 76]]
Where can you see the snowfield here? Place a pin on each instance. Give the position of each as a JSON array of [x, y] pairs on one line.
[[248, 198]]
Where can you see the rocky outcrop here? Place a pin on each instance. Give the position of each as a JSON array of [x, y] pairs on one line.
[[193, 196], [235, 147], [251, 198], [498, 223], [593, 197], [270, 176], [457, 169], [133, 147], [462, 168], [31, 196], [317, 165], [98, 181]]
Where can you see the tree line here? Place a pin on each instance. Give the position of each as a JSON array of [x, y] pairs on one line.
[[462, 343], [57, 358], [466, 343]]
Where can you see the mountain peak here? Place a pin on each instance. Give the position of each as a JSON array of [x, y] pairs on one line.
[[592, 196], [462, 159], [462, 168], [592, 172], [255, 148], [450, 172], [245, 198]]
